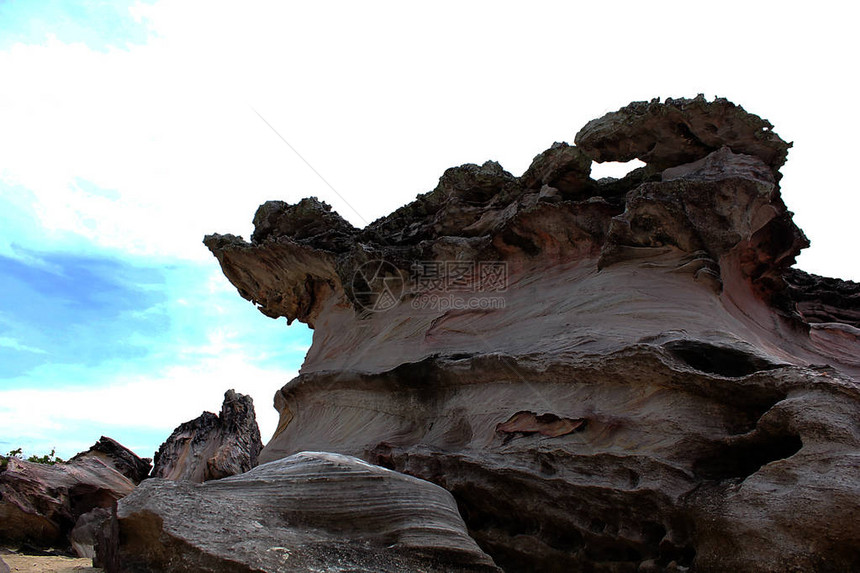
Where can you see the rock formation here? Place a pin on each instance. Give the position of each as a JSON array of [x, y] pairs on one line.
[[613, 375], [40, 503], [119, 457], [308, 512], [212, 446]]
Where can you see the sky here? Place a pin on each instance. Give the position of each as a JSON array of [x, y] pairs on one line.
[[129, 130]]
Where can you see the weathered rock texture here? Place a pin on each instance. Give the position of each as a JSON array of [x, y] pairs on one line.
[[652, 388], [308, 512], [40, 503], [212, 446], [119, 457]]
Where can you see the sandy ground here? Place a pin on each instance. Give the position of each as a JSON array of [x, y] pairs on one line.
[[38, 564]]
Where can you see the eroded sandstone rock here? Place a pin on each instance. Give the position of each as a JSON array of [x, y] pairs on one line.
[[309, 512], [212, 446], [646, 384], [40, 503]]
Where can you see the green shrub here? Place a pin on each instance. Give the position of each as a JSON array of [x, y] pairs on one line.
[[49, 459]]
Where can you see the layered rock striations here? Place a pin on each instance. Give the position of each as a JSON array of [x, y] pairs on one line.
[[40, 503], [614, 375], [212, 446], [308, 512]]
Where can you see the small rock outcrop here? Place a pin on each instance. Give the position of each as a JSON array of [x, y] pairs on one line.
[[679, 131], [212, 446], [608, 375], [40, 503], [308, 512], [119, 457]]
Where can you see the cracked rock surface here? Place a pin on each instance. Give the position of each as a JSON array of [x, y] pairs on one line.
[[642, 383]]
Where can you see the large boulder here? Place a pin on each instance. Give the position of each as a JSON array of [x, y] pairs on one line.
[[212, 446], [612, 375], [308, 512], [40, 503]]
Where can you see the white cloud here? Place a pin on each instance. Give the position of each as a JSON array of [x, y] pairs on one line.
[[158, 401], [382, 99], [12, 343]]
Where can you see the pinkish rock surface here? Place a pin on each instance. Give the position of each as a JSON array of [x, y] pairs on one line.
[[639, 382]]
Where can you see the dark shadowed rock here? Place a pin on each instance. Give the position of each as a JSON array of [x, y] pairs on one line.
[[641, 383], [40, 503], [85, 535], [822, 299], [212, 446], [308, 512], [562, 167], [121, 458], [309, 221]]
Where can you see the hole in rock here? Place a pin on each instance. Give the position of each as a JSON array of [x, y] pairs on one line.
[[525, 244], [612, 551], [614, 169], [719, 360], [682, 555], [683, 130], [742, 459], [562, 538], [527, 423], [461, 355]]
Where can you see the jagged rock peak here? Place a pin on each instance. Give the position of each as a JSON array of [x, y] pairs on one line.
[[121, 458], [310, 220], [212, 446]]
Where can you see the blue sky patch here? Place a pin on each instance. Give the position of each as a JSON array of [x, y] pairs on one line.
[[100, 25], [97, 341]]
